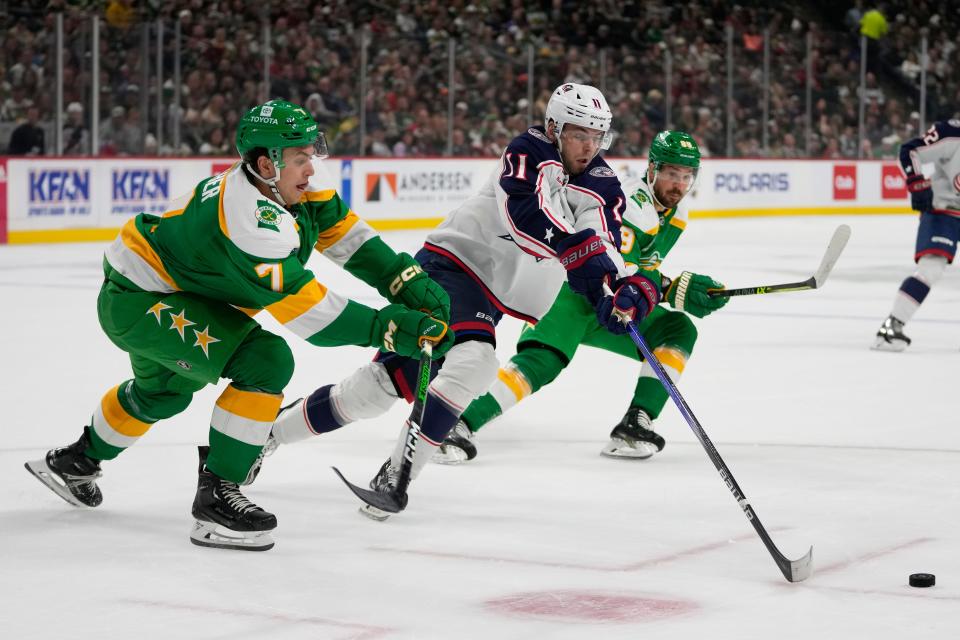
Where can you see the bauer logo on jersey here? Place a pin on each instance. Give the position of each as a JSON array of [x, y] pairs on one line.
[[268, 215], [602, 172]]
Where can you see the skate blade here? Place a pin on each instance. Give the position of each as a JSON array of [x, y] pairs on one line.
[[449, 455], [373, 513], [215, 536], [621, 449], [40, 471], [894, 346]]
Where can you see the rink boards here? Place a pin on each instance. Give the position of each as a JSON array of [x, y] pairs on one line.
[[88, 199]]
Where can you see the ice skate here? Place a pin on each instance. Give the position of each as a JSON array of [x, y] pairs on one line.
[[633, 437], [384, 482], [459, 446], [226, 519], [890, 336], [70, 473]]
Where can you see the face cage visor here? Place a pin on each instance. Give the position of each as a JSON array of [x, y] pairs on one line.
[[675, 173]]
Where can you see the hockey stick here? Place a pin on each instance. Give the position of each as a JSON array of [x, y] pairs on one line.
[[834, 249], [396, 500], [793, 570]]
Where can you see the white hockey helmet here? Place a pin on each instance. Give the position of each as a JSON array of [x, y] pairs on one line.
[[582, 105]]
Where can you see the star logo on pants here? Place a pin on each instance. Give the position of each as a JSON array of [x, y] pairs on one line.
[[180, 322], [204, 340], [157, 309]]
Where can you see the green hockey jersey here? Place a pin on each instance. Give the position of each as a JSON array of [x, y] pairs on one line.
[[647, 235], [226, 241]]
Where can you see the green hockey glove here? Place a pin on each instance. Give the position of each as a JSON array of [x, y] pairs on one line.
[[401, 330], [690, 293], [413, 288]]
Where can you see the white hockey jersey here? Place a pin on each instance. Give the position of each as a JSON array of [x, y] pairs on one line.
[[941, 147], [506, 235]]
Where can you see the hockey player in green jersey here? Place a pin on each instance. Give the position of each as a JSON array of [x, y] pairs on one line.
[[652, 223], [179, 294]]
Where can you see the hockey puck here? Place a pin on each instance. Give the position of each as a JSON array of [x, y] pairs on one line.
[[922, 580]]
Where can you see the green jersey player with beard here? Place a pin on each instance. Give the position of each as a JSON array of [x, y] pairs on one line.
[[652, 224]]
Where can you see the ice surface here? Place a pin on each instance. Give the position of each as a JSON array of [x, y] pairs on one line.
[[853, 451]]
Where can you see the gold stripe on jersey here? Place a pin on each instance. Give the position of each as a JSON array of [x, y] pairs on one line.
[[221, 216], [333, 235], [246, 416], [295, 305], [132, 256], [318, 196], [679, 223], [342, 249]]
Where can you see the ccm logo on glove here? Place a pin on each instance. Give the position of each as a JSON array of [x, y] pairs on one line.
[[404, 276]]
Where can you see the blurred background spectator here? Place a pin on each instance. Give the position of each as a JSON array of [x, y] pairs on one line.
[[625, 47]]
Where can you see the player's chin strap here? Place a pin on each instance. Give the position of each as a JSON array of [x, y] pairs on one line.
[[270, 182], [653, 192]]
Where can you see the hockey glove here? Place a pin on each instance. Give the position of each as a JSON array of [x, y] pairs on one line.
[[921, 193], [588, 266], [401, 330], [690, 293], [413, 288], [633, 298]]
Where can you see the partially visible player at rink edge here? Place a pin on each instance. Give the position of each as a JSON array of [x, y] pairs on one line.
[[551, 208], [179, 294], [938, 200], [652, 223]]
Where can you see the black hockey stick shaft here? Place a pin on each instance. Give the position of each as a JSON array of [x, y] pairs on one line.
[[416, 417], [395, 501], [793, 570], [836, 246], [770, 288]]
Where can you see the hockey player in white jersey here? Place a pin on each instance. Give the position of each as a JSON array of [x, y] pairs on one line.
[[551, 209], [938, 200]]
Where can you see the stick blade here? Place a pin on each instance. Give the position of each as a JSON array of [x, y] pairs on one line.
[[800, 569], [837, 244], [389, 502]]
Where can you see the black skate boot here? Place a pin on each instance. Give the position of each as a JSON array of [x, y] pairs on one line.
[[226, 519], [633, 437], [70, 473], [890, 336], [384, 482], [459, 446]]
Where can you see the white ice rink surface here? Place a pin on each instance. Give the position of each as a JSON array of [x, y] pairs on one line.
[[852, 451]]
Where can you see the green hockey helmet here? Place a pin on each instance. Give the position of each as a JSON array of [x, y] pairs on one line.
[[276, 125], [670, 152], [675, 147]]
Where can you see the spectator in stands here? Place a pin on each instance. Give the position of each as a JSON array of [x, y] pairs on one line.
[[28, 138], [111, 130], [15, 106], [76, 136]]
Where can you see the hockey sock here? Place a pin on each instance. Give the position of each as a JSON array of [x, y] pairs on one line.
[[527, 371], [115, 424], [439, 417], [649, 393], [481, 411], [307, 417], [239, 428], [914, 289]]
